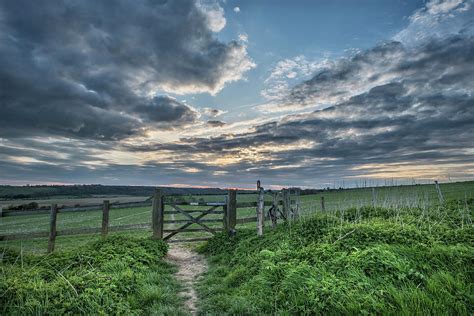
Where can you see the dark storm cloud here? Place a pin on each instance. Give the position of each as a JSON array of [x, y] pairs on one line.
[[86, 68], [388, 107], [165, 109], [423, 115], [215, 123]]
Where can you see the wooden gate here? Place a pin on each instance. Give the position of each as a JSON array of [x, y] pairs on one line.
[[187, 210]]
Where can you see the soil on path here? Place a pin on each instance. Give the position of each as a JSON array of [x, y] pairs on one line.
[[190, 266]]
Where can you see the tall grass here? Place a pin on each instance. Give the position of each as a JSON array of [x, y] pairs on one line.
[[364, 260], [118, 275]]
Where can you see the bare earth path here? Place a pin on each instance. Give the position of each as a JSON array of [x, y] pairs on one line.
[[190, 266]]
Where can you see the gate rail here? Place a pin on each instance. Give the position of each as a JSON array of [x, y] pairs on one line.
[[227, 208]]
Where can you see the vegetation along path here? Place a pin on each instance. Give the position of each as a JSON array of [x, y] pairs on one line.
[[190, 266]]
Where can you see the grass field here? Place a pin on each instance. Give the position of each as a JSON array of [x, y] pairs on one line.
[[62, 201], [389, 250], [389, 197], [368, 260]]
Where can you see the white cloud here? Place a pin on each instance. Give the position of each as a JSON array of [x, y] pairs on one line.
[[214, 14], [438, 19], [287, 72], [244, 37]]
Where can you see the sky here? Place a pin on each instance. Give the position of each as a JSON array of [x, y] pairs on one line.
[[221, 93]]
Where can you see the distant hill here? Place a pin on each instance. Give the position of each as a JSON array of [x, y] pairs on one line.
[[45, 191]]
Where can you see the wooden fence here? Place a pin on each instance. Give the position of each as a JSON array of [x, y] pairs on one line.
[[281, 207]]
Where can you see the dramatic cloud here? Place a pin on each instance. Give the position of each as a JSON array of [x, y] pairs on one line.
[[87, 80], [210, 112], [84, 69], [394, 110], [165, 109], [337, 80], [215, 123], [288, 72], [438, 19]]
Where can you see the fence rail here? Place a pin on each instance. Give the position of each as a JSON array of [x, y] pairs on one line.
[[229, 219]]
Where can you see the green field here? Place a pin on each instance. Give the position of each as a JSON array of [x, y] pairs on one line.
[[373, 251], [389, 197]]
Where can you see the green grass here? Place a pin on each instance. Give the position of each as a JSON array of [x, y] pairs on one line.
[[424, 196], [406, 253], [358, 261], [118, 275]]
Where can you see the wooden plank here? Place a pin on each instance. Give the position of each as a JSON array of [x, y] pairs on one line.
[[105, 218], [273, 210], [180, 221], [244, 220], [75, 231], [231, 218], [196, 203], [286, 203], [260, 212], [187, 223], [189, 230], [296, 210], [22, 213], [194, 211], [440, 194], [120, 206], [24, 236], [192, 219], [189, 240], [157, 214], [374, 197], [95, 230], [52, 227], [92, 208], [254, 204]]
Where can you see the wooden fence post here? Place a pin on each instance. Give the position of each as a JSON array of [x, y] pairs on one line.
[[52, 227], [260, 212], [274, 210], [440, 194], [105, 218], [297, 204], [323, 207], [374, 197], [1, 211], [230, 212], [157, 214], [285, 203]]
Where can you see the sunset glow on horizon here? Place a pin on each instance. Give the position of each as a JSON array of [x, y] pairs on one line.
[[198, 93]]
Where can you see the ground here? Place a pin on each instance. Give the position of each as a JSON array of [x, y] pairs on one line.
[[191, 266]]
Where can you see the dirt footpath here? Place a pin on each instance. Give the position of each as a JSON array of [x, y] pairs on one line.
[[190, 266]]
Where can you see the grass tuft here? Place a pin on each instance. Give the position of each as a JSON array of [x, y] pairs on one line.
[[117, 275], [364, 261]]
